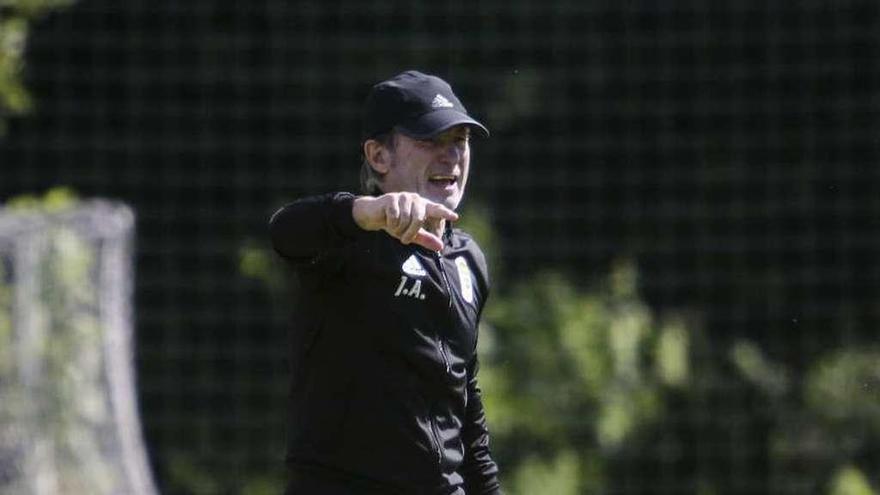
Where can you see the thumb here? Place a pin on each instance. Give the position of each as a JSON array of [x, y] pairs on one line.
[[426, 239]]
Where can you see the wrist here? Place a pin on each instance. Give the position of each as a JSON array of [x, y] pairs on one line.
[[361, 212]]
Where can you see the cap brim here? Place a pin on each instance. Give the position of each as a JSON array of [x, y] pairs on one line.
[[433, 123]]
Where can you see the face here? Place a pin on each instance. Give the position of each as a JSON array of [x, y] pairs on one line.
[[436, 168]]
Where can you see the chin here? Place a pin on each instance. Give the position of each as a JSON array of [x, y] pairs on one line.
[[450, 202]]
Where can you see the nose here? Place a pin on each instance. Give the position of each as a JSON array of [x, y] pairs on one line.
[[451, 153]]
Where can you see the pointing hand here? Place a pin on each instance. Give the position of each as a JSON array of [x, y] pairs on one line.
[[403, 215]]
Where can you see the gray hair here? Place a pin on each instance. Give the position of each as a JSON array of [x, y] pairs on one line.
[[370, 179]]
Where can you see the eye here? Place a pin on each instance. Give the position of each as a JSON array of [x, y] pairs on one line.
[[457, 138]]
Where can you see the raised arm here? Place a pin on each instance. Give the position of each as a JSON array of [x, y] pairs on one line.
[[306, 228]]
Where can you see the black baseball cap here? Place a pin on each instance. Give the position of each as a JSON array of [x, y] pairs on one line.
[[416, 104]]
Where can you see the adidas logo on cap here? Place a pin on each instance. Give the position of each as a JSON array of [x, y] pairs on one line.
[[441, 102]]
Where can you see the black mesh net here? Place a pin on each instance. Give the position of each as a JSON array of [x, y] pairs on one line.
[[728, 152]]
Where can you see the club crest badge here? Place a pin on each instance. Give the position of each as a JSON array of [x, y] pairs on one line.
[[465, 278]]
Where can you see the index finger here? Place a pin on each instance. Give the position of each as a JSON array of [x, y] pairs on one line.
[[436, 210], [428, 240]]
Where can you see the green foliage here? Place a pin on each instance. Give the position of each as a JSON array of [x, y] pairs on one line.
[[15, 19], [560, 476], [476, 220], [263, 485], [575, 374], [844, 388], [187, 476], [754, 366], [54, 200], [194, 473], [13, 97], [261, 264], [827, 420], [850, 481]]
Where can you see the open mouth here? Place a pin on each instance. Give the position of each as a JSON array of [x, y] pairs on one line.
[[443, 180]]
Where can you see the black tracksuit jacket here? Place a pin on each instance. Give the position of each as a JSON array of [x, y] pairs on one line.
[[384, 396]]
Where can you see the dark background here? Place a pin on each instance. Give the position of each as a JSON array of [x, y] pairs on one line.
[[731, 149]]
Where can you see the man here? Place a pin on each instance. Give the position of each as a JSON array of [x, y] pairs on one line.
[[384, 396]]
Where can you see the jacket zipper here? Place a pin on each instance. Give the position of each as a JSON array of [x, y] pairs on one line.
[[443, 354], [449, 307], [445, 278], [436, 434]]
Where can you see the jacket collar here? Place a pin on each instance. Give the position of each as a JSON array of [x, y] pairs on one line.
[[447, 234]]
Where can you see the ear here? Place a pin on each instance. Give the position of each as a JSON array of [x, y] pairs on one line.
[[378, 156]]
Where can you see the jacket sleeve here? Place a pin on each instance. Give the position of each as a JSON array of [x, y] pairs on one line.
[[479, 471], [308, 228]]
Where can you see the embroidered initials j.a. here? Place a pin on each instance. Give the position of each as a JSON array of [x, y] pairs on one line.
[[414, 289]]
